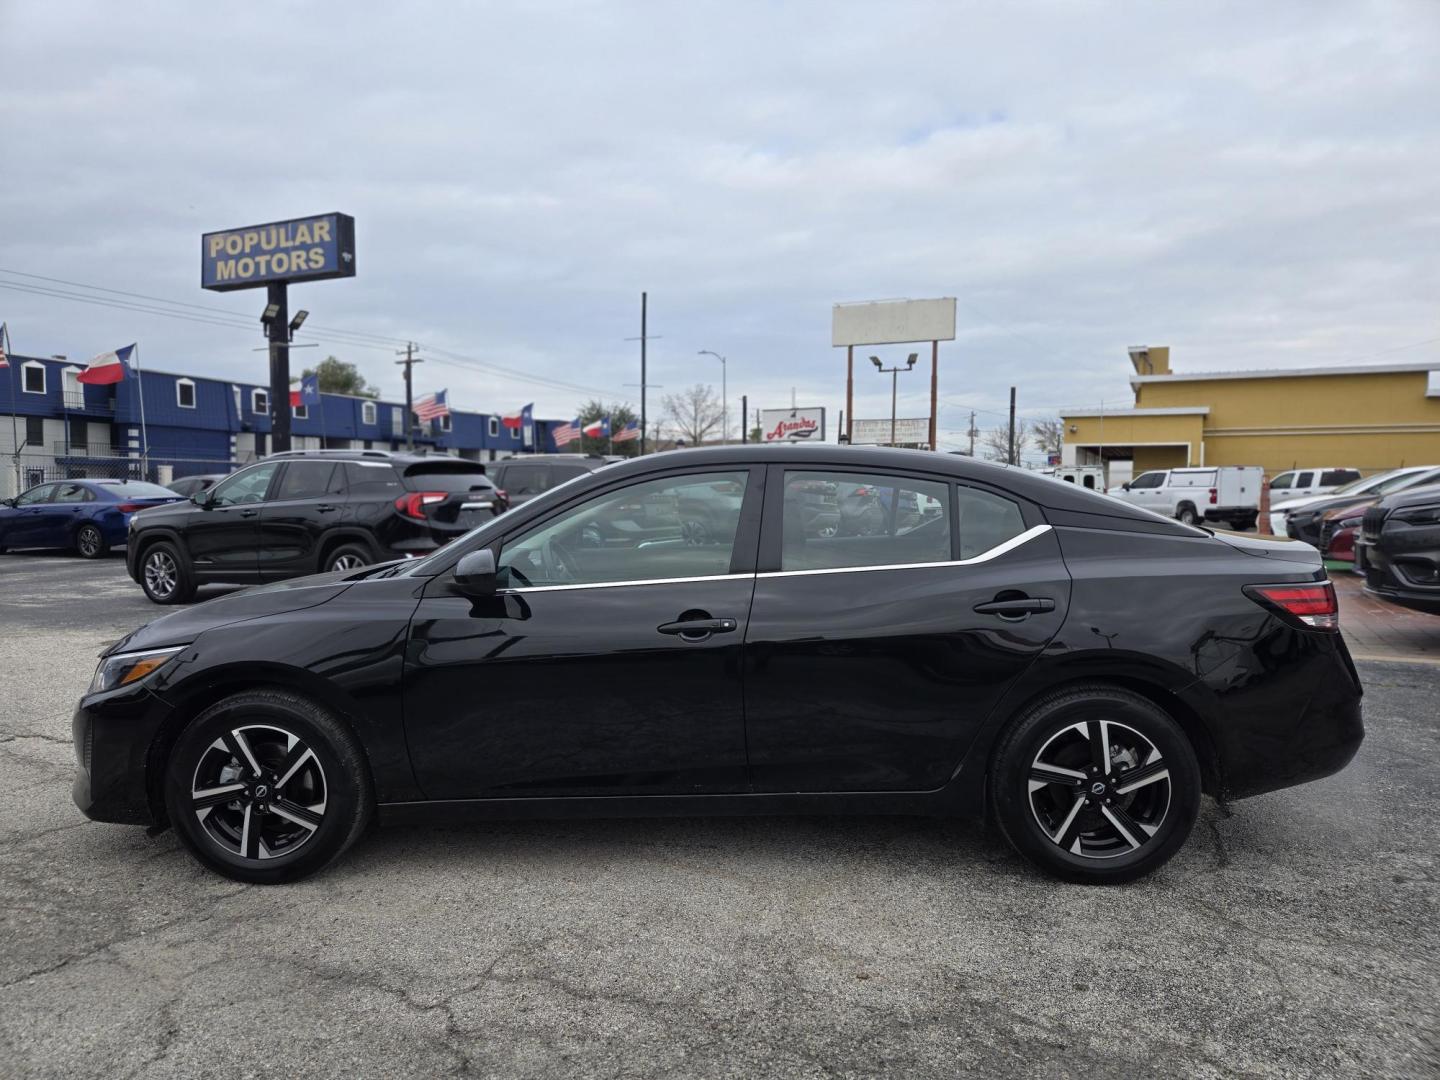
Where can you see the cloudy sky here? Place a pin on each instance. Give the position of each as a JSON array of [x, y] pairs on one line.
[[1255, 185]]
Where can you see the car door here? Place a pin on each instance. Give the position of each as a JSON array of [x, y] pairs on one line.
[[222, 533], [305, 502], [608, 664], [23, 523], [873, 658], [57, 521], [1305, 483]]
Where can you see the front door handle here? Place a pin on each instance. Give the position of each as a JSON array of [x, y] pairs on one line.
[[1015, 609], [326, 508], [248, 513], [698, 629]]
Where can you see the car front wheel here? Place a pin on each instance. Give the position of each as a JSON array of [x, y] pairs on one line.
[[1095, 784], [164, 576], [267, 787], [1187, 516]]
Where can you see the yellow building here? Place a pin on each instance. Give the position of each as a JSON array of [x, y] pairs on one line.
[[1368, 417]]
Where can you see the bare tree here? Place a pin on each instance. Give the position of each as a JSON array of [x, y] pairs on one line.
[[1047, 434], [695, 413], [995, 442]]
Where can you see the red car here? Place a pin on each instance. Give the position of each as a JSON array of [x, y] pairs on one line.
[[1338, 529]]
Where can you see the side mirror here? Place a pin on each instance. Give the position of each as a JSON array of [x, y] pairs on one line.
[[7, 502], [1125, 487], [475, 574], [201, 498]]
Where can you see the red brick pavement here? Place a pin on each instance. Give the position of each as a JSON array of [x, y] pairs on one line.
[[1375, 630]]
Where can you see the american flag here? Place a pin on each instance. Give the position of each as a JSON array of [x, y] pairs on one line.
[[4, 333], [628, 433], [566, 433], [432, 405]]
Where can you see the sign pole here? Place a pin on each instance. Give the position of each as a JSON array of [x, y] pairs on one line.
[[849, 389], [934, 392], [14, 400], [277, 293]]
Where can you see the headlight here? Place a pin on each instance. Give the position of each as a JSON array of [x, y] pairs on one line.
[[122, 669], [1418, 515]]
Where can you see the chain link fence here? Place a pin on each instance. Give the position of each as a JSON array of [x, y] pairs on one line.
[[25, 470]]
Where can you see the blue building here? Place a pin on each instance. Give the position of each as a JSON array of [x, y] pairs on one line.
[[53, 426]]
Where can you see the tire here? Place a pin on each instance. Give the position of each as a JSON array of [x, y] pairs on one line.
[[164, 576], [90, 542], [303, 753], [347, 557], [1095, 841], [1186, 515]]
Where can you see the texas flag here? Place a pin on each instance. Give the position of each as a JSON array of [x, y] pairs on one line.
[[305, 391], [518, 419], [600, 429], [108, 367]]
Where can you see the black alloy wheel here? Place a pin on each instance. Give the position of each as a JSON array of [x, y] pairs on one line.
[[164, 577], [1096, 784], [267, 787], [90, 543]]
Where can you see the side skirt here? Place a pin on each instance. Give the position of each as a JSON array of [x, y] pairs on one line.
[[940, 803]]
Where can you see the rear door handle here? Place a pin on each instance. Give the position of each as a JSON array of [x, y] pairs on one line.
[[248, 513], [326, 508], [1015, 609], [695, 629]]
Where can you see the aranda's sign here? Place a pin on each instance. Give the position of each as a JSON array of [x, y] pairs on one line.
[[305, 249], [792, 425]]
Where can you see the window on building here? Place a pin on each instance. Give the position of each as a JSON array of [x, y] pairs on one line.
[[494, 427], [32, 378], [367, 412], [300, 412], [71, 389], [79, 433], [185, 393], [445, 422], [34, 432], [260, 402], [235, 390], [835, 521], [397, 422], [515, 434]]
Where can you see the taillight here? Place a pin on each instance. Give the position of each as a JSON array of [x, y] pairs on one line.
[[1312, 603], [130, 508], [413, 505], [1214, 496], [502, 496]]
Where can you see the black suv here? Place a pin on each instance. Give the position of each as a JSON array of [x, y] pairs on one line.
[[306, 512], [522, 478], [1399, 549]]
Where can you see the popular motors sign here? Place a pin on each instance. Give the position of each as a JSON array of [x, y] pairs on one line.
[[303, 249], [792, 425]]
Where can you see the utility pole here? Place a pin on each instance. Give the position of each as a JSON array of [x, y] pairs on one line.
[[744, 417], [410, 361], [972, 433], [277, 329], [1012, 460]]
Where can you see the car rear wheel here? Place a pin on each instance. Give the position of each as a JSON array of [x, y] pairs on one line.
[[164, 576], [347, 557], [267, 787], [1186, 514], [1095, 784], [90, 543]]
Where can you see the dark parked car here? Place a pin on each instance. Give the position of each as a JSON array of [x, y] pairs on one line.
[[1079, 669], [307, 511], [189, 485], [88, 516], [1308, 522], [523, 478], [1399, 549]]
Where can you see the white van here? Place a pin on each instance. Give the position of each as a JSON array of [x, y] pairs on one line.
[[1228, 493]]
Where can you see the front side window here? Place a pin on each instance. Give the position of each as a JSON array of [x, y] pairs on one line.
[[72, 493], [246, 486], [527, 479], [36, 495], [1148, 480], [305, 480], [675, 527], [185, 394], [1304, 479], [837, 520], [1284, 480]]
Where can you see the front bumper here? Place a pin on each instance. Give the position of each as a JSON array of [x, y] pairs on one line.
[[1382, 582], [115, 736]]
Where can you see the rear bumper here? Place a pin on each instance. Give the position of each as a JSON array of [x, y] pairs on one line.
[[115, 734]]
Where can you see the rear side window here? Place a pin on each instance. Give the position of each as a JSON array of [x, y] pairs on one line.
[[526, 479], [986, 520], [560, 473], [305, 479], [1304, 479], [832, 521], [72, 493], [1336, 477], [372, 479]]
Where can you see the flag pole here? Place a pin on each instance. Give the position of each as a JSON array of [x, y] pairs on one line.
[[144, 435], [14, 401]]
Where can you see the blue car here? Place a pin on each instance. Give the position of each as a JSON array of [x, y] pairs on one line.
[[89, 516]]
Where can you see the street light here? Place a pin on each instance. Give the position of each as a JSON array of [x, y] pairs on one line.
[[724, 397], [894, 373], [298, 320], [268, 315]]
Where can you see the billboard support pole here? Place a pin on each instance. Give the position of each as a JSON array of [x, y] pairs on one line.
[[934, 392], [278, 330], [744, 412], [849, 387]]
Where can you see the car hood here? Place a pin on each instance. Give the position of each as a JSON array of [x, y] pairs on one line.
[[1296, 504], [184, 626], [1279, 548]]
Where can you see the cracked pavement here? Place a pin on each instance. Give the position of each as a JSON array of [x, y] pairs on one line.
[[1295, 935]]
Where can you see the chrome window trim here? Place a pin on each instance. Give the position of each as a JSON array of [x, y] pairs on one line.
[[985, 556]]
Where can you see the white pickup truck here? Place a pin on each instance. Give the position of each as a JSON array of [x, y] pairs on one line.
[[1228, 493]]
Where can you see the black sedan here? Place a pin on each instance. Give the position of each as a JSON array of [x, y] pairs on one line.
[[1077, 669], [1398, 549]]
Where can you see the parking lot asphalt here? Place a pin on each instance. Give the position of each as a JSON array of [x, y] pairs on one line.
[[1295, 935]]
